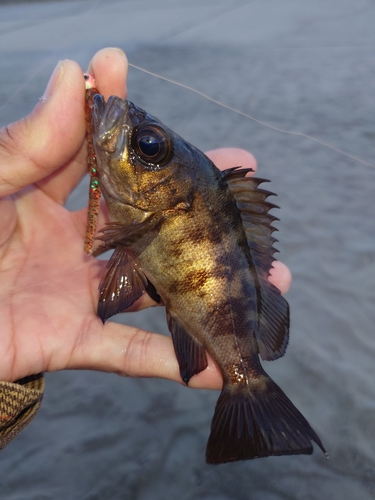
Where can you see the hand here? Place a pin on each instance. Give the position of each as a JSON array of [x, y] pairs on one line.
[[48, 294]]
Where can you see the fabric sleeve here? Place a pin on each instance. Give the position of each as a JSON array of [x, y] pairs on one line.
[[19, 403]]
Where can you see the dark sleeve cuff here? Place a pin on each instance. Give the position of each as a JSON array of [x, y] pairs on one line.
[[19, 403]]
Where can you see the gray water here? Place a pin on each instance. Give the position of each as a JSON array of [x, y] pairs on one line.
[[301, 65]]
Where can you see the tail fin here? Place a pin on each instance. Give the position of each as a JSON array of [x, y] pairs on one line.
[[260, 422]]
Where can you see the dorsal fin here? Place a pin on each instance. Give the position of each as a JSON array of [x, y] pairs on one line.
[[273, 310], [257, 222]]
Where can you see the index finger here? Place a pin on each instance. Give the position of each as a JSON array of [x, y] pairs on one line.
[[36, 146], [110, 69]]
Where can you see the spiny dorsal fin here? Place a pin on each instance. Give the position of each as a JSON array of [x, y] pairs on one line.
[[273, 310], [256, 221]]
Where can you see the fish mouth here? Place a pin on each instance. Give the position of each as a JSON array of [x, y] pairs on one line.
[[110, 138], [109, 124], [112, 124]]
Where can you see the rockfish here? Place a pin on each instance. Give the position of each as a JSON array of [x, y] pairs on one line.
[[201, 241]]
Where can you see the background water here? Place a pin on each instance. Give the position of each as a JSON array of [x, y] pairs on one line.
[[301, 65]]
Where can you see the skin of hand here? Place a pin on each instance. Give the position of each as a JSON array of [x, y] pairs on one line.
[[49, 286]]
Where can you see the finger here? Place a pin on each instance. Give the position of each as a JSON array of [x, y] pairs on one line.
[[133, 352], [62, 181], [110, 69], [280, 276], [232, 157], [8, 222], [39, 144]]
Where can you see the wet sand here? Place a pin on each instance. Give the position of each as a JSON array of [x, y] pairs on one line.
[[304, 66]]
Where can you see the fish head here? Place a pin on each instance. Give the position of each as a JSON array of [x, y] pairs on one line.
[[143, 166]]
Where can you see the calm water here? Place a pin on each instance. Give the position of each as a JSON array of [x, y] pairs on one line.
[[305, 66]]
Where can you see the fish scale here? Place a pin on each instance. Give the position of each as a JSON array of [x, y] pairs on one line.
[[201, 240]]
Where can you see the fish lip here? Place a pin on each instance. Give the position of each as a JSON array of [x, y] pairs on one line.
[[109, 132], [108, 120], [112, 123], [109, 116]]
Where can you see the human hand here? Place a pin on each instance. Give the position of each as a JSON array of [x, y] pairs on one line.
[[49, 287]]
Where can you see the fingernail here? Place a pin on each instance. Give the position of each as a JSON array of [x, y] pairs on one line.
[[120, 52], [56, 75], [117, 49]]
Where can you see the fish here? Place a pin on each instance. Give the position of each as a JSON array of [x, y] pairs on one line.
[[198, 240]]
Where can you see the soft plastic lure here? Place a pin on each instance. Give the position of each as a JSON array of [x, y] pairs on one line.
[[94, 189]]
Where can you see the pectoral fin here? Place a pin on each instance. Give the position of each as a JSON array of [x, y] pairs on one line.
[[116, 233], [122, 283], [191, 355]]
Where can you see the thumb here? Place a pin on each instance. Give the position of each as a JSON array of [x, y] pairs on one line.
[[49, 136]]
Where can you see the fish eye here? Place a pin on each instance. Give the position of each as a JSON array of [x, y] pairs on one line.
[[152, 144]]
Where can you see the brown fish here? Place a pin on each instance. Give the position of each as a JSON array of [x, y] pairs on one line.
[[201, 240]]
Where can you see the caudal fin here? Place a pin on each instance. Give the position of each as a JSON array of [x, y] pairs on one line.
[[250, 423]]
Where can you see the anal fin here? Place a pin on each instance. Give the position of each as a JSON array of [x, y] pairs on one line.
[[191, 354]]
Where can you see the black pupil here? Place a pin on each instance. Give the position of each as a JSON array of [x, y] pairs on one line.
[[149, 146]]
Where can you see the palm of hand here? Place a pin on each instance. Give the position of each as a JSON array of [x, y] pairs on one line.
[[50, 285]]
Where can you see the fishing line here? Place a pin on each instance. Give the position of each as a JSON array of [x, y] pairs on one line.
[[252, 118], [80, 21]]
